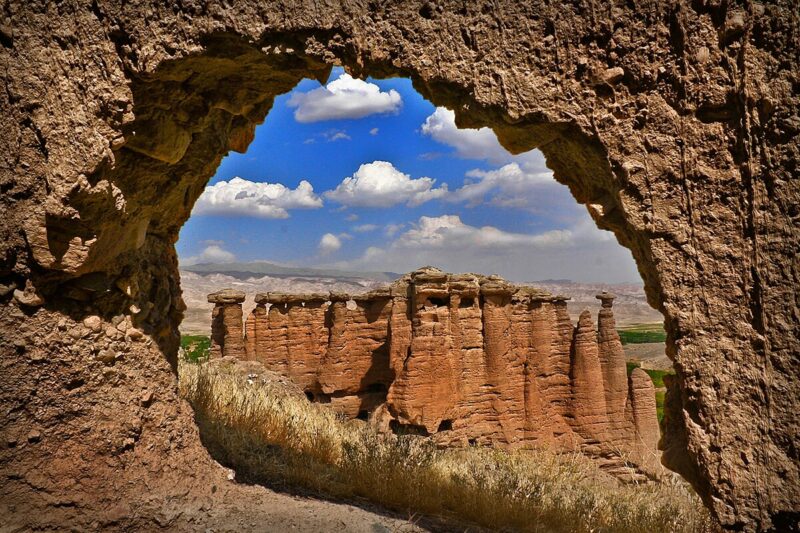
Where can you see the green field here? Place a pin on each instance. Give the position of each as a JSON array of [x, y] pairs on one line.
[[196, 347], [642, 333]]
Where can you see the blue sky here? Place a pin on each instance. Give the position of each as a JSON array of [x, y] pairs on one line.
[[368, 175]]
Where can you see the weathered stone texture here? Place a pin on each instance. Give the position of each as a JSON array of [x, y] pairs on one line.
[[227, 333], [588, 408], [675, 123], [642, 406], [612, 363], [464, 358]]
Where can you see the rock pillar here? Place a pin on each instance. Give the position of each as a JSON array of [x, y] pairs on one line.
[[612, 363], [273, 338], [588, 396], [355, 373], [559, 383], [306, 337], [501, 363], [642, 398], [425, 392], [226, 324], [256, 329]]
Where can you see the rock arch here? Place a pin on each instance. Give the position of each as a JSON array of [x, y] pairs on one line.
[[676, 124]]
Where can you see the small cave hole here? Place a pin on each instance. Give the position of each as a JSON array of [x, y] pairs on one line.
[[426, 11], [323, 398], [363, 414], [439, 302], [466, 303], [445, 425], [310, 396]]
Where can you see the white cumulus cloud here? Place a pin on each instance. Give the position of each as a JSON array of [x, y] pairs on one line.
[[213, 253], [391, 229], [329, 243], [469, 143], [448, 231], [380, 184], [344, 97], [508, 186], [264, 200], [577, 251], [520, 181]]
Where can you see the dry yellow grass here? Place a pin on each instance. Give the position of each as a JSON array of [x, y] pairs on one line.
[[271, 437]]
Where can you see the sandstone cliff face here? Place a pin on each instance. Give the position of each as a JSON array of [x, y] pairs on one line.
[[464, 358], [674, 123]]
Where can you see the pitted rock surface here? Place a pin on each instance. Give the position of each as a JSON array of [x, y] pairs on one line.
[[675, 123]]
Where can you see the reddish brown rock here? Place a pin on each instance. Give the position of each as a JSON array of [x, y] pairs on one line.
[[615, 374], [643, 413], [357, 356], [227, 335], [588, 409], [306, 338], [465, 358], [504, 366], [559, 382], [424, 392], [250, 334]]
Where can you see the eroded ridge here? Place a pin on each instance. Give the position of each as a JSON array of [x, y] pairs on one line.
[[464, 358]]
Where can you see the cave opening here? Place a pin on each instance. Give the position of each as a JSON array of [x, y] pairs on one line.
[[367, 179], [493, 205]]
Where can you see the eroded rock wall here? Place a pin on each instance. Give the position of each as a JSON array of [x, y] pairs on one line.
[[466, 359], [675, 123]]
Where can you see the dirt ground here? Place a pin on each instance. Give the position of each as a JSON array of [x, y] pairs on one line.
[[273, 511]]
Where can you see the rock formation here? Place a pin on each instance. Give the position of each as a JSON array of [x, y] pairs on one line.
[[226, 324], [612, 363], [675, 124], [467, 359]]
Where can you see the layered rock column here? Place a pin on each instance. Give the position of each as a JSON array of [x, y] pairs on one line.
[[588, 395], [306, 337], [226, 324], [355, 372], [425, 391], [256, 329], [612, 363], [503, 364], [644, 416], [274, 336]]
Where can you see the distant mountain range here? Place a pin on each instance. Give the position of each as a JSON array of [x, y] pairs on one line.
[[198, 281], [264, 268]]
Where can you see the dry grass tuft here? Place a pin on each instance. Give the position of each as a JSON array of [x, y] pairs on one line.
[[271, 437]]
